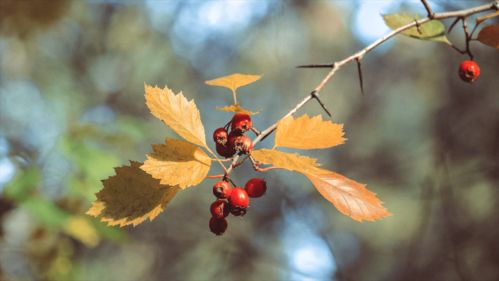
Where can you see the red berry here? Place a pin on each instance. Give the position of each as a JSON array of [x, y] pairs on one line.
[[469, 71], [225, 150], [241, 122], [236, 211], [219, 209], [218, 225], [222, 189], [256, 187], [220, 136], [240, 143], [239, 198]]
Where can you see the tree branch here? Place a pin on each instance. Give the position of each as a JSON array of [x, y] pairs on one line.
[[359, 55]]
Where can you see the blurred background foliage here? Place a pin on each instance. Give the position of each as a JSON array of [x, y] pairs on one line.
[[71, 108]]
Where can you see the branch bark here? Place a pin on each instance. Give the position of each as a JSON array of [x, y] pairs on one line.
[[360, 54]]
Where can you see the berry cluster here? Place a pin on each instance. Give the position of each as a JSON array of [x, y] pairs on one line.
[[232, 200], [235, 141]]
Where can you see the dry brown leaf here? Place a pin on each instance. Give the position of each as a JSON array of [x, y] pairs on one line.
[[233, 81], [489, 35], [176, 112], [130, 197], [236, 108], [177, 163], [289, 161], [308, 133], [348, 196]]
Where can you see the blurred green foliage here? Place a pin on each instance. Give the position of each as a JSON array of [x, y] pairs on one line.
[[71, 108]]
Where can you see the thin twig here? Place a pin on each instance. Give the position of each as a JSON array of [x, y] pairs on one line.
[[255, 130], [256, 165], [358, 55], [430, 12], [216, 176], [467, 37]]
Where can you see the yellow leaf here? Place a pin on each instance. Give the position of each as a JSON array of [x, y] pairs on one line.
[[348, 196], [130, 197], [177, 163], [176, 112], [233, 81], [308, 133], [81, 229], [289, 161], [236, 108]]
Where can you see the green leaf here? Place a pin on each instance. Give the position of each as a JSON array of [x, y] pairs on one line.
[[433, 30], [489, 36]]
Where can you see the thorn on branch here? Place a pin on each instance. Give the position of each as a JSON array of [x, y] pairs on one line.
[[361, 80], [418, 27], [316, 66], [316, 97]]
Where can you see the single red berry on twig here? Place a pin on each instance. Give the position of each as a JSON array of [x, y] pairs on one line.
[[222, 189], [240, 142], [255, 187], [219, 209], [241, 122], [469, 71], [239, 198], [220, 136], [225, 150], [218, 225]]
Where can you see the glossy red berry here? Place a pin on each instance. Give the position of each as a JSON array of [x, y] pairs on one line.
[[219, 209], [469, 71], [222, 189], [225, 150], [240, 142], [255, 187], [218, 225], [241, 122], [239, 198], [220, 136]]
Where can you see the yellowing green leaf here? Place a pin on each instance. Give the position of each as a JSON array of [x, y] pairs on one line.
[[348, 196], [289, 161], [308, 133], [233, 81], [236, 108], [177, 163], [489, 35], [82, 229], [130, 197], [176, 112], [433, 30]]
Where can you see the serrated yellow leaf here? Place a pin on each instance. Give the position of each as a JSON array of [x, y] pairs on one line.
[[130, 197], [308, 133], [177, 163], [176, 112], [348, 196], [289, 161], [233, 81], [236, 108]]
